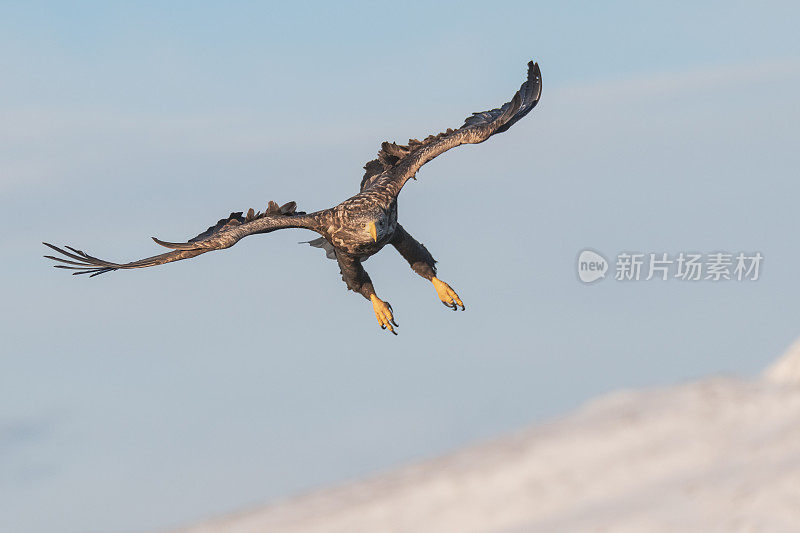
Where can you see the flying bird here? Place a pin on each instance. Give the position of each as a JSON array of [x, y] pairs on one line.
[[357, 228]]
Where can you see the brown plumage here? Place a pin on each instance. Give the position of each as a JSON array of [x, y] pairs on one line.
[[354, 229]]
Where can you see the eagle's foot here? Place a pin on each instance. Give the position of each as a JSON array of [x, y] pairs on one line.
[[383, 312], [447, 295]]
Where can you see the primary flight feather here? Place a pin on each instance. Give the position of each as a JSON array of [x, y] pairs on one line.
[[356, 228]]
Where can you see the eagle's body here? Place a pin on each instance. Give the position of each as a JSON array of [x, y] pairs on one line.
[[357, 228], [343, 226]]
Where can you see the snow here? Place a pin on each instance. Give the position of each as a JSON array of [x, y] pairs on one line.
[[717, 455], [786, 370]]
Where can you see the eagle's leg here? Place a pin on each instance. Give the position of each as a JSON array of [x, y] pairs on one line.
[[423, 263], [358, 280], [447, 295]]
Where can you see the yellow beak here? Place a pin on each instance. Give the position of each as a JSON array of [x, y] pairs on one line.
[[373, 231]]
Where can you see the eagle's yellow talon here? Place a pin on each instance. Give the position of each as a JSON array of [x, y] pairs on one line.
[[446, 294], [383, 312]]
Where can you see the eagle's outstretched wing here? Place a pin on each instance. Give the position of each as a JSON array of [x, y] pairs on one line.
[[224, 234], [402, 162]]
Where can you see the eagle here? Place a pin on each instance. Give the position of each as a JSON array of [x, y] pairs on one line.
[[358, 227]]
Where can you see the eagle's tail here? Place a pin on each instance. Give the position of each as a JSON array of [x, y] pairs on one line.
[[323, 243]]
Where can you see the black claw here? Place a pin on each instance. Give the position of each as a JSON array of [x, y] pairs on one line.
[[395, 323], [393, 332], [383, 327]]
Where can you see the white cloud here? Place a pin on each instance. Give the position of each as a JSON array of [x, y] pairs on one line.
[[668, 84]]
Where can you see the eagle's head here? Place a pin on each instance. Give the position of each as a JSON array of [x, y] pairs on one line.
[[378, 227]]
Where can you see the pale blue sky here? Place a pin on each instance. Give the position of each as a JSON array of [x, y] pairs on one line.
[[150, 398]]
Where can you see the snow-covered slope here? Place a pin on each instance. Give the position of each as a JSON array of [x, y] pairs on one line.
[[719, 455], [786, 370]]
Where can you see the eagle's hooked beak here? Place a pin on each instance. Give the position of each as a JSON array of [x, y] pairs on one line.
[[373, 231]]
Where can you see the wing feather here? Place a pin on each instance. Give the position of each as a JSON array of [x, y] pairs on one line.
[[403, 161], [224, 234]]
